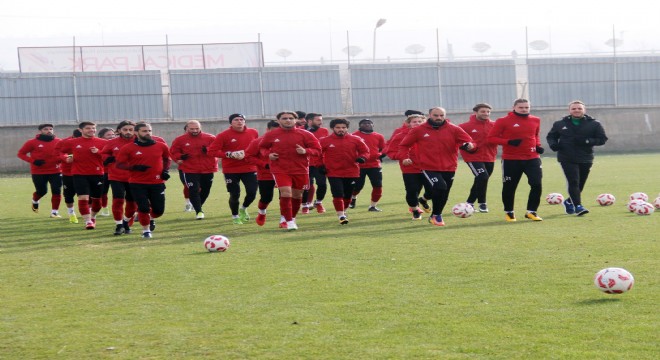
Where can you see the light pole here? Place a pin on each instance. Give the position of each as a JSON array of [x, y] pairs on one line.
[[378, 24]]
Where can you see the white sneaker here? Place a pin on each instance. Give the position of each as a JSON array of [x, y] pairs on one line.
[[188, 208], [291, 225], [200, 215]]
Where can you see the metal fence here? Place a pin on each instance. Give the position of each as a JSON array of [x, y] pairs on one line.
[[333, 90]]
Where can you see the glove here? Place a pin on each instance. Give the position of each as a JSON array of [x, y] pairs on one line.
[[382, 156], [109, 160], [204, 149], [140, 167], [267, 167], [464, 146], [322, 170], [360, 160], [514, 142], [184, 156], [540, 150], [581, 140], [554, 147], [39, 162], [238, 155], [165, 175]]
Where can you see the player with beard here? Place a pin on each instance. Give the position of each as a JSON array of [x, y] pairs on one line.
[[342, 154], [123, 202], [148, 162], [196, 166], [438, 141], [44, 166], [289, 150], [518, 133], [372, 166], [259, 157], [314, 125]]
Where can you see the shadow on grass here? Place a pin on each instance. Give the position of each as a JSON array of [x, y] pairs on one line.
[[589, 302]]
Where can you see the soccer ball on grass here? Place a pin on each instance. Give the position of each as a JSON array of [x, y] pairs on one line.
[[462, 210], [639, 196], [554, 198], [216, 243], [605, 199], [644, 209], [614, 280]]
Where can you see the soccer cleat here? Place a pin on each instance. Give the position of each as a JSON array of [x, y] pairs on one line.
[[236, 221], [425, 204], [35, 207], [580, 210], [483, 208], [436, 220], [127, 226], [343, 220], [374, 209], [532, 216], [152, 224], [352, 204], [200, 215], [417, 215], [55, 215], [243, 215], [304, 210], [291, 225], [261, 219], [119, 229], [73, 219], [319, 208], [104, 212], [146, 235], [569, 207], [283, 225], [90, 225], [188, 208], [509, 216]]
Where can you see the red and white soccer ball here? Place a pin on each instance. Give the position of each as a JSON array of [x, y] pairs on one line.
[[605, 199], [633, 204], [614, 280], [656, 202], [644, 209], [554, 198], [216, 243], [639, 196], [462, 210]]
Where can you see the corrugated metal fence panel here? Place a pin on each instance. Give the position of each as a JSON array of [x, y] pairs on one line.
[[393, 88], [638, 80], [36, 98], [556, 82], [467, 83], [214, 94], [116, 96], [307, 88]]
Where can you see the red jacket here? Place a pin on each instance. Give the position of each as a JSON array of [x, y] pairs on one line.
[[259, 157], [393, 149], [478, 131], [438, 148], [85, 162], [112, 149], [197, 162], [511, 127], [37, 149], [376, 144], [65, 166], [231, 140], [283, 142], [156, 155], [340, 153], [394, 133], [319, 134]]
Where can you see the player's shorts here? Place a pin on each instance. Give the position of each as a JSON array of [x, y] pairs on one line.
[[297, 181]]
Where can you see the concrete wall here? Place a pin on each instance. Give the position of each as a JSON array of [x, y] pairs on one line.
[[629, 130]]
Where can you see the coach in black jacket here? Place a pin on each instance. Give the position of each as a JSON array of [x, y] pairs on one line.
[[574, 138]]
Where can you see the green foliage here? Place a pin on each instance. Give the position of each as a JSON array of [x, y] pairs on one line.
[[383, 286]]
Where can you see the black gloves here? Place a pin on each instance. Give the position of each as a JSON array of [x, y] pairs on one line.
[[464, 146], [554, 147], [360, 160], [184, 156], [514, 142], [540, 150], [267, 166], [109, 160], [382, 156], [39, 162], [140, 167], [165, 175], [204, 149]]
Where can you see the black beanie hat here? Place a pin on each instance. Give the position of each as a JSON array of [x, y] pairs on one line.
[[234, 116]]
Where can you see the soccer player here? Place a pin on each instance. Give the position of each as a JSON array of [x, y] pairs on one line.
[[342, 154], [148, 162], [68, 189], [372, 166], [518, 133], [123, 202], [315, 126], [438, 142], [196, 166], [230, 146], [573, 138], [44, 166], [108, 134], [289, 148], [482, 162], [259, 157], [87, 170]]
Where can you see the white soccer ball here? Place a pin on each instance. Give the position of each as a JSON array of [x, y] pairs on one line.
[[605, 199], [633, 204], [644, 209], [639, 196], [656, 202], [554, 198], [614, 280], [216, 243], [462, 210]]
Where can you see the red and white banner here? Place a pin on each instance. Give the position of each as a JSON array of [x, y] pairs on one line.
[[140, 57]]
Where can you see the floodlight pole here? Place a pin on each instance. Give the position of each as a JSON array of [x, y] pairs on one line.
[[378, 24]]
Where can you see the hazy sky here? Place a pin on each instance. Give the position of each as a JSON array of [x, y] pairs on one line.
[[312, 30]]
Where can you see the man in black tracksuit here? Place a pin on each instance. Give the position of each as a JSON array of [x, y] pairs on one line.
[[573, 138]]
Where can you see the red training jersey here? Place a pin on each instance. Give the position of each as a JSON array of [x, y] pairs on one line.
[[438, 146], [393, 149], [232, 140], [376, 143], [38, 149], [156, 155], [284, 143], [318, 133], [198, 161], [85, 162], [478, 131], [512, 127], [112, 149], [340, 153], [259, 157]]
